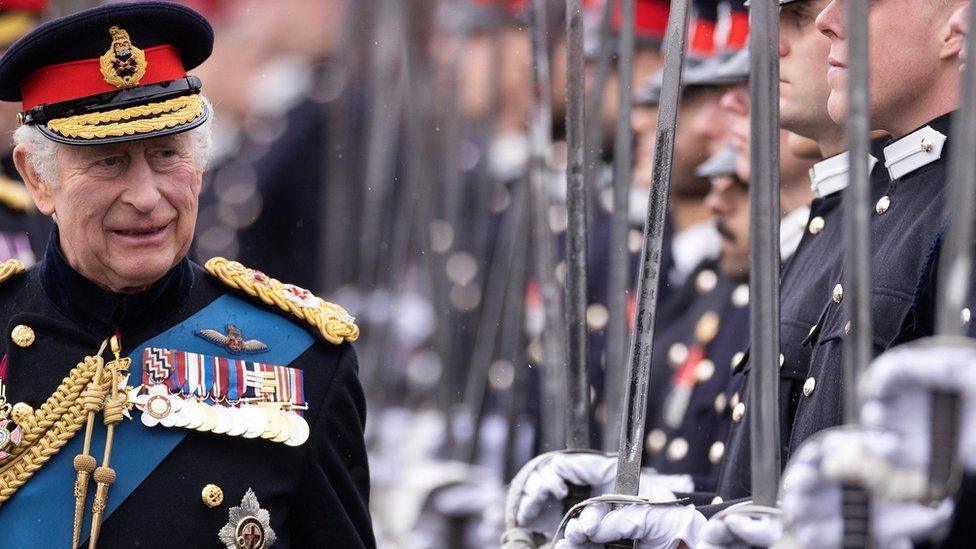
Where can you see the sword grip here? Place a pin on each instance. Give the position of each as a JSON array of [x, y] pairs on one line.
[[856, 512], [622, 544], [577, 494], [944, 470]]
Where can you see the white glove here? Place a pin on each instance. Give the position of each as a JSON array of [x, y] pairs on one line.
[[540, 502], [466, 500], [812, 496], [652, 525], [896, 390], [743, 526]]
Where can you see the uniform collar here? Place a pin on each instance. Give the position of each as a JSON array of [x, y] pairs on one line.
[[101, 311], [791, 229], [917, 149], [829, 176]]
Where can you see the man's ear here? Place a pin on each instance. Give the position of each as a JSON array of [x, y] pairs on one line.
[[954, 35], [39, 190]]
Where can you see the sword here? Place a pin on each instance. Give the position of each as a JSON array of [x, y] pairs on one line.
[[856, 502], [638, 367], [578, 394], [616, 342], [554, 332], [764, 255]]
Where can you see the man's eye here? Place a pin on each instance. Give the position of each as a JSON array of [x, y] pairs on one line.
[[109, 162]]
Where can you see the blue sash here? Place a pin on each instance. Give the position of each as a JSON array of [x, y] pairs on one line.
[[41, 512]]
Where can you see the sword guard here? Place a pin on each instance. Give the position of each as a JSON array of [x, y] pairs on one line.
[[856, 512]]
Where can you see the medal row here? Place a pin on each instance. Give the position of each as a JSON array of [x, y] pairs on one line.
[[267, 420]]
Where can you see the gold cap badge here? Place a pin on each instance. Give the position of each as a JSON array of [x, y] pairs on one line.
[[123, 65]]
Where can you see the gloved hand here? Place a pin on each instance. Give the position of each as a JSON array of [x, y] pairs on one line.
[[812, 495], [897, 393], [457, 512], [543, 485], [652, 525], [743, 526]]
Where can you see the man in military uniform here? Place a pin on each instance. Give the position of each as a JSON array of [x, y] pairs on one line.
[[23, 233], [218, 404]]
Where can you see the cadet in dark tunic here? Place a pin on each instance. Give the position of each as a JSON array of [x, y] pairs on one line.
[[187, 406]]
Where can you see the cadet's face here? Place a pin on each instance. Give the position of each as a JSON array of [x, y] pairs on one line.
[[803, 88], [728, 201], [644, 123], [910, 55], [735, 102], [701, 132], [126, 212]]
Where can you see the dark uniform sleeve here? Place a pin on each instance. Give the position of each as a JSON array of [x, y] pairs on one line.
[[332, 506]]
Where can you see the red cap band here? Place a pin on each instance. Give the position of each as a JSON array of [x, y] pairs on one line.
[[36, 6], [738, 30], [703, 38], [77, 79]]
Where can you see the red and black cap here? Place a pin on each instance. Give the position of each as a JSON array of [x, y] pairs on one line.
[[113, 73]]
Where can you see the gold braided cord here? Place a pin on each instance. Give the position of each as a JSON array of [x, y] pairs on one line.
[[14, 195], [52, 426], [10, 268], [130, 121], [332, 321]]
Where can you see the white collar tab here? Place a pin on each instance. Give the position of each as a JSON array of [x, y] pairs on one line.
[[915, 150], [829, 176]]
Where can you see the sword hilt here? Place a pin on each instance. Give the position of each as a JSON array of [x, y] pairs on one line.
[[944, 468], [578, 493], [856, 512]]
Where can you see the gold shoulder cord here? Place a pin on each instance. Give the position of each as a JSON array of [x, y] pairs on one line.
[[332, 321]]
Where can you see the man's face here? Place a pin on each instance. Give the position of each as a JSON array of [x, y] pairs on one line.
[[803, 51], [906, 55], [735, 102], [701, 132], [728, 201], [644, 122], [126, 212]]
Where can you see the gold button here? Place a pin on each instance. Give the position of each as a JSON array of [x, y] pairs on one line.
[[677, 354], [817, 225], [734, 401], [717, 499], [597, 317], [782, 360], [23, 336], [707, 327], [883, 204], [635, 241], [706, 281], [212, 495], [738, 412], [737, 359], [678, 449], [740, 296], [22, 413], [704, 370], [926, 145], [808, 386], [838, 294], [655, 441], [716, 451], [966, 315], [720, 402]]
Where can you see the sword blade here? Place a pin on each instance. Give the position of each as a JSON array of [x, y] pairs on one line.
[[638, 368], [764, 255]]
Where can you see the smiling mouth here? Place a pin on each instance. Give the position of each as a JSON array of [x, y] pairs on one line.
[[150, 231]]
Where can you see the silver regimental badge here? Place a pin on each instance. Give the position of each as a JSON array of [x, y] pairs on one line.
[[249, 526]]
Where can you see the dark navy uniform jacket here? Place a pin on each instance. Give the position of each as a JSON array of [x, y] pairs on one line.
[[316, 493], [688, 412], [905, 229]]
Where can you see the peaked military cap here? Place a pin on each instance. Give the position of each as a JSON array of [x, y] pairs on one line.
[[721, 163], [113, 73]]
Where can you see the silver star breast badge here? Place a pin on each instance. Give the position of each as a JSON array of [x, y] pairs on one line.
[[249, 526]]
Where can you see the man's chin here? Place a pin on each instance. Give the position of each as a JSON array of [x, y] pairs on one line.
[[134, 273]]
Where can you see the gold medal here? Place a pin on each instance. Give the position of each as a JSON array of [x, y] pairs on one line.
[[225, 419], [255, 419], [299, 428], [239, 426], [209, 418]]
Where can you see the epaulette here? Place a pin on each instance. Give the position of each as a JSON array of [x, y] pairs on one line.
[[14, 195], [332, 321], [9, 268]]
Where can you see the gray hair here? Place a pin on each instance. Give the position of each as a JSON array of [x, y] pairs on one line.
[[42, 153]]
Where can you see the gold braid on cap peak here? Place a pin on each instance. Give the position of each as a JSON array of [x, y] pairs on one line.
[[332, 321], [130, 121], [10, 268]]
